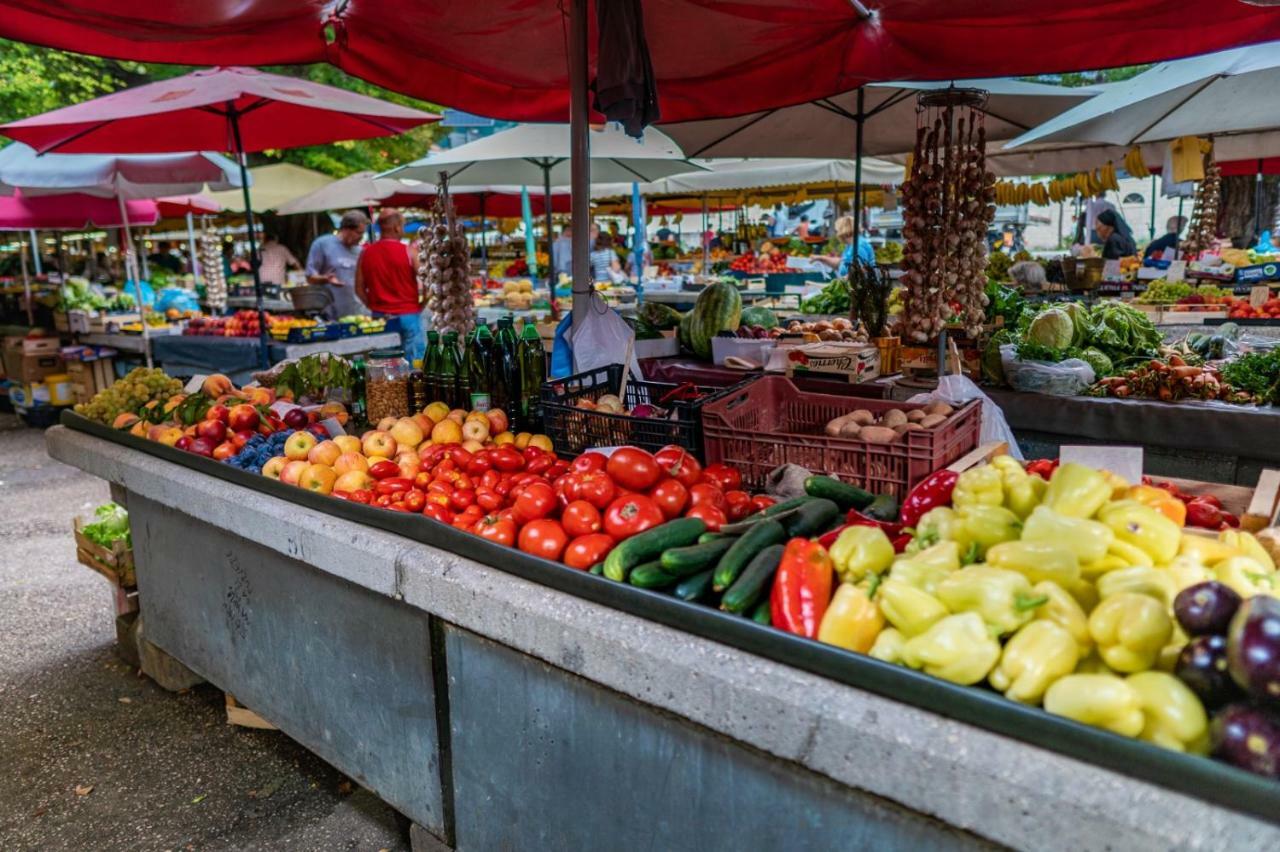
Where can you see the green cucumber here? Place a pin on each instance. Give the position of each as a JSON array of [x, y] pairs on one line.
[[650, 576], [697, 586], [650, 544], [597, 569], [763, 613], [683, 561], [744, 550], [711, 536], [746, 590], [812, 518], [843, 494], [883, 508]]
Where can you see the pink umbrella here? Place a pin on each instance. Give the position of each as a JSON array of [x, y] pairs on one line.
[[182, 205], [217, 109], [70, 212]]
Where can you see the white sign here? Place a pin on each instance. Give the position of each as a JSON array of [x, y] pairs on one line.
[[1111, 269], [1125, 462], [195, 384], [1177, 271]]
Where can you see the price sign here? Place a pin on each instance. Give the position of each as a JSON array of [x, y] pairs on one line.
[[1125, 462], [1177, 271], [1258, 295], [195, 384], [1111, 269]]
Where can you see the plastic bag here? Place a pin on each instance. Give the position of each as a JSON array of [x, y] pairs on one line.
[[958, 390], [1065, 378], [176, 298], [602, 340]]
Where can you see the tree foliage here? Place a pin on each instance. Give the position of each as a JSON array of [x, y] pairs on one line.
[[38, 79]]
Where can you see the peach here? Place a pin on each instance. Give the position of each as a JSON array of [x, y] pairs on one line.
[[472, 446], [259, 396], [325, 452], [124, 420], [476, 430], [274, 466], [406, 433], [378, 442], [318, 477], [457, 416], [336, 411], [504, 438], [447, 431], [348, 443], [437, 411], [353, 480], [167, 435], [542, 442], [299, 445], [385, 424], [291, 473], [498, 421], [139, 429], [216, 385], [348, 462]]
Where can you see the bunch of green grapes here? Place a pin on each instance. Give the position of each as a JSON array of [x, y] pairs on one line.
[[129, 394]]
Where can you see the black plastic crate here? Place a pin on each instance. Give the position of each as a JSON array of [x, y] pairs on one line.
[[574, 430]]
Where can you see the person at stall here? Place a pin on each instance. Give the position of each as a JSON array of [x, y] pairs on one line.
[[562, 253], [605, 265], [802, 230], [387, 281], [331, 262], [860, 248], [1116, 237], [664, 233], [164, 258], [274, 261], [1169, 241]]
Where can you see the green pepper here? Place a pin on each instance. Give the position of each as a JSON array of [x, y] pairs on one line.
[[1003, 598], [1037, 560], [1088, 539]]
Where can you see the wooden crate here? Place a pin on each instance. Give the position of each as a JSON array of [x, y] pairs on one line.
[[116, 563], [238, 714]]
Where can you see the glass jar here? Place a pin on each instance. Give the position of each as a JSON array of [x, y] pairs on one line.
[[386, 385]]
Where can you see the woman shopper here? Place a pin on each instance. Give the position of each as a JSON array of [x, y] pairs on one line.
[[864, 252], [1116, 236]]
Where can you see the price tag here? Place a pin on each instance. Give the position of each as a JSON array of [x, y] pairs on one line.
[[195, 384], [1177, 271], [1125, 462], [1111, 269], [1258, 295], [333, 427], [282, 407]]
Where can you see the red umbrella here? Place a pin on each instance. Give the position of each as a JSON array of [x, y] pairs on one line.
[[712, 58], [180, 205], [499, 205], [70, 212], [217, 109]]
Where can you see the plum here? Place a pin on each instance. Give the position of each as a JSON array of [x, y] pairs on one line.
[[1206, 608], [1248, 737], [1202, 665], [1253, 648]]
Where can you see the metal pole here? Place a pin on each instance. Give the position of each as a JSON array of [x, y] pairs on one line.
[[546, 200], [1178, 240], [1257, 202], [859, 119], [134, 276], [706, 242], [580, 162], [191, 248], [26, 284], [35, 251], [1152, 229], [484, 243], [265, 357]]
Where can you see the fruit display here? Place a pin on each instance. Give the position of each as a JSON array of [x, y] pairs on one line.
[[518, 295], [889, 254], [444, 268], [718, 308], [890, 425], [948, 208], [211, 270], [769, 260], [1099, 180], [1162, 292], [1241, 309], [1202, 233], [240, 324], [280, 326], [141, 389]]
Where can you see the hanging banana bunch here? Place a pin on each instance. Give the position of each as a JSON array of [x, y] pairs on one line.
[[1134, 164]]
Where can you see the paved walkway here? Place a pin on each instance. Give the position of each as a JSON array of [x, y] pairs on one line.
[[94, 755]]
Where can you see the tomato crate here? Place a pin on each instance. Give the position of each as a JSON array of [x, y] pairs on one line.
[[771, 422], [574, 430]]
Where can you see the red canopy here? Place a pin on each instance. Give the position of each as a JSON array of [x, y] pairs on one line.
[[506, 58], [496, 205], [194, 112], [70, 212]]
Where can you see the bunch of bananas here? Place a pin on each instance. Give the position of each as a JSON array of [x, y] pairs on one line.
[[1058, 189], [1134, 165], [1008, 192]]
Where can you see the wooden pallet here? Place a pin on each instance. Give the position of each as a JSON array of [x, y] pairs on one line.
[[116, 563]]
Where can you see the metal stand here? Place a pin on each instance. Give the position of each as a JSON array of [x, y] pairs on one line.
[[254, 260], [580, 163]]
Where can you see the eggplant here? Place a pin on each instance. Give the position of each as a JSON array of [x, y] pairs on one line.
[[1253, 648], [1247, 736], [1206, 608], [1202, 666]]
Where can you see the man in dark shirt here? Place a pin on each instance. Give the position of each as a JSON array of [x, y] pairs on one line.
[[1169, 240]]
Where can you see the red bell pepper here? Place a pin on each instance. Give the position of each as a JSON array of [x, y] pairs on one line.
[[1042, 468], [801, 588], [931, 492], [1230, 521], [857, 519], [1202, 513]]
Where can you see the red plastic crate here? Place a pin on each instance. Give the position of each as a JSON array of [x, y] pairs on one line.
[[771, 423]]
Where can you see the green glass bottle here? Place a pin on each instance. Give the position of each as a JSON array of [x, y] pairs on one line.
[[358, 411], [452, 380], [506, 390], [480, 369], [531, 358], [431, 366]]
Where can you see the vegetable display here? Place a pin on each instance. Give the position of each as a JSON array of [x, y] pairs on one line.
[[444, 268], [110, 524], [718, 308], [1169, 381]]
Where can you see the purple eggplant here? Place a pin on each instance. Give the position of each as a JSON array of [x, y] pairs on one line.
[[1248, 737], [1202, 665], [1253, 648], [1206, 608]]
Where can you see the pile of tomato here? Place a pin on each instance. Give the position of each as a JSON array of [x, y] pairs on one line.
[[571, 512], [1241, 309]]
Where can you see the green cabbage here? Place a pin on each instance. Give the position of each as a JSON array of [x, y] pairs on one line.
[[112, 525], [1053, 329], [1098, 360]]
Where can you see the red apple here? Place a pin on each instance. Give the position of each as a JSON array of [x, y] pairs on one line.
[[214, 430], [225, 450], [243, 416], [203, 447], [299, 444], [292, 472], [183, 443], [218, 412], [295, 418]]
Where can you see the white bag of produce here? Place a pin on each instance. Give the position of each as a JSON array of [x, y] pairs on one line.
[[1065, 378], [956, 391]]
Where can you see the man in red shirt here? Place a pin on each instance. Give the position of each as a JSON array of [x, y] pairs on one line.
[[387, 281]]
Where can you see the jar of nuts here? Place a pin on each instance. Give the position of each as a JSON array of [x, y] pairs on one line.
[[386, 385]]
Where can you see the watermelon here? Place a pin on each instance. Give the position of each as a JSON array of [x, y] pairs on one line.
[[762, 317], [719, 308]]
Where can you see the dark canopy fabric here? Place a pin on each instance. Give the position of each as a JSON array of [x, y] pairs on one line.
[[507, 58]]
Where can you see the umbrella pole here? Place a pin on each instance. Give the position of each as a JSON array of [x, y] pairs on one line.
[[26, 283], [265, 356], [859, 119], [35, 251], [580, 163], [1152, 229], [706, 242], [484, 243], [546, 200], [135, 277], [1257, 202], [191, 248]]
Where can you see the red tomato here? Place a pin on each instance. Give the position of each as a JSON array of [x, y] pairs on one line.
[[461, 498], [536, 500], [341, 495], [760, 502], [705, 492], [415, 500], [588, 463], [558, 468], [384, 470], [382, 500], [438, 512], [479, 464], [737, 505], [586, 550], [596, 488], [543, 538], [711, 516], [633, 468], [361, 495], [541, 464], [488, 499], [721, 474], [629, 515], [394, 485], [500, 530], [422, 480], [507, 459], [580, 518], [671, 497], [676, 462], [461, 455]]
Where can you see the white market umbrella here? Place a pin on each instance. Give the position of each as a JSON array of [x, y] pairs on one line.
[[734, 174], [356, 190]]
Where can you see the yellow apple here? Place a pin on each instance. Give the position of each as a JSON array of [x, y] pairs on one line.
[[325, 453], [353, 480], [407, 433], [348, 462], [498, 422], [291, 473], [522, 440], [437, 411], [424, 422], [298, 445], [542, 442], [348, 443], [476, 429], [385, 424], [379, 443], [274, 465], [457, 416], [409, 463], [504, 438], [447, 431], [318, 477], [472, 446]]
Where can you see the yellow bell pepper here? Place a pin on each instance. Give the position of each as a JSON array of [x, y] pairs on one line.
[[1011, 470], [1003, 599], [1186, 572], [852, 620], [1249, 545], [1102, 700], [907, 608], [958, 648], [888, 646], [1119, 485], [1130, 630], [945, 555], [979, 486], [1023, 496], [1167, 660], [987, 525], [1085, 593], [1037, 560], [1174, 718], [1033, 658], [1131, 554], [1093, 664], [1154, 582], [1077, 491], [1245, 576], [1160, 500], [1207, 550], [924, 576], [859, 551], [1144, 528], [936, 525], [1088, 539], [1064, 611]]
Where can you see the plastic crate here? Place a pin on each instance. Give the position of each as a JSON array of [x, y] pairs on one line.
[[574, 430], [771, 422]]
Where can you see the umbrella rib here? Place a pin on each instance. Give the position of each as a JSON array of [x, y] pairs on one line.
[[998, 117], [74, 137], [734, 132], [893, 100], [643, 178], [829, 106], [1207, 83]]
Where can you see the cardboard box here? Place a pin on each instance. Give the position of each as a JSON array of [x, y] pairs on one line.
[[90, 377], [858, 362], [28, 359]]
